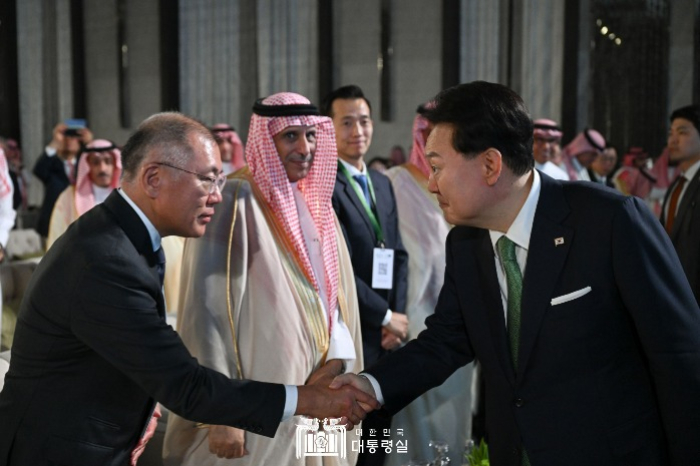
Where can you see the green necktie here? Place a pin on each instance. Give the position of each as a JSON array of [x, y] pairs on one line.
[[514, 281]]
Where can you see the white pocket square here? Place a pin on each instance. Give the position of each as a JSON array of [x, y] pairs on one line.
[[565, 298]]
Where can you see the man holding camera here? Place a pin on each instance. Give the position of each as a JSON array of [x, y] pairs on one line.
[[56, 167]]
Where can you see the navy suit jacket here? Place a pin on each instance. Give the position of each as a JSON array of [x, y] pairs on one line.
[[685, 234], [609, 378], [92, 353], [361, 241], [52, 172]]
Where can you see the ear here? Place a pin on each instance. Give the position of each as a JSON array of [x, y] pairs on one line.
[[151, 180], [491, 165]]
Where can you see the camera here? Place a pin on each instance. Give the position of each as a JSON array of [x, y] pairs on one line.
[[73, 127]]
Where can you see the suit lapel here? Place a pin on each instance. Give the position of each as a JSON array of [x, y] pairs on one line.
[[550, 242], [380, 207], [687, 204], [355, 201], [129, 221], [491, 293]]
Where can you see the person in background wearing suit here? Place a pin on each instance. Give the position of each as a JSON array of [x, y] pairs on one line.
[[570, 295], [92, 352], [56, 168], [602, 167], [681, 208], [366, 209]]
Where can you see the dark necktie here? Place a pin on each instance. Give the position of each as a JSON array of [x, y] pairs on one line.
[[514, 282], [673, 204], [362, 181], [160, 264]]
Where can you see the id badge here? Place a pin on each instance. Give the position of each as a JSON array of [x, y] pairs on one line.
[[383, 269]]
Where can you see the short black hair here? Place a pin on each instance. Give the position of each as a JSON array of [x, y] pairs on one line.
[[486, 115], [690, 113], [350, 91]]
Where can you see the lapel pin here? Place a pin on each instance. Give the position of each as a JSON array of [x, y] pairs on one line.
[[559, 241]]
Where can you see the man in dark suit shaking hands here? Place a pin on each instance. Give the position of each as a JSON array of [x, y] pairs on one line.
[[92, 351], [570, 295]]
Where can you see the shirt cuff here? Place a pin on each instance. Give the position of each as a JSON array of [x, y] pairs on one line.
[[50, 151], [387, 317], [375, 385], [341, 345], [290, 401]]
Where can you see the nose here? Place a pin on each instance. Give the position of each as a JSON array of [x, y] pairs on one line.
[[303, 146], [215, 196], [356, 128], [432, 185]]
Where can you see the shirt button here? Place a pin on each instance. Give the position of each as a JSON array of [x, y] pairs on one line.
[[519, 402]]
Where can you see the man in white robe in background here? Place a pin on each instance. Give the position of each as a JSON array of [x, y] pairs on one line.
[[268, 292], [99, 169], [230, 146]]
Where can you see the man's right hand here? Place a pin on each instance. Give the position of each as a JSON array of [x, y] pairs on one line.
[[398, 325], [358, 382], [227, 442], [58, 137], [345, 401]]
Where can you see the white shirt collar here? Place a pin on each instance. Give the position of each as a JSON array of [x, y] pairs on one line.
[[689, 174], [521, 228], [152, 232], [352, 169]]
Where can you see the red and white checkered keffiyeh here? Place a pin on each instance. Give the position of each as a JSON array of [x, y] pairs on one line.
[[5, 181], [224, 131], [317, 187], [417, 156], [84, 194]]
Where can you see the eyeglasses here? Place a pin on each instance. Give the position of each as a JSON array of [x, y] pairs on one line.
[[210, 183]]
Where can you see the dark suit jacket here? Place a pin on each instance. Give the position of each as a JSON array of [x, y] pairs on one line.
[[51, 172], [92, 353], [685, 235], [594, 178], [361, 241], [609, 378]]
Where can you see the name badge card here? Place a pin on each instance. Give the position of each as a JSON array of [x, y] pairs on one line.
[[383, 269]]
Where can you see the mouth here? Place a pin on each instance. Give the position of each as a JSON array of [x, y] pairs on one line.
[[206, 218]]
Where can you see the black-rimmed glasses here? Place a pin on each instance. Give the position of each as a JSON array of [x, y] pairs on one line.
[[210, 183]]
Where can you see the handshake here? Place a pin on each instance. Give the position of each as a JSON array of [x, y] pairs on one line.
[[346, 396]]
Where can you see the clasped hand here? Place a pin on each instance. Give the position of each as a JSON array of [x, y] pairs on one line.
[[346, 396]]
